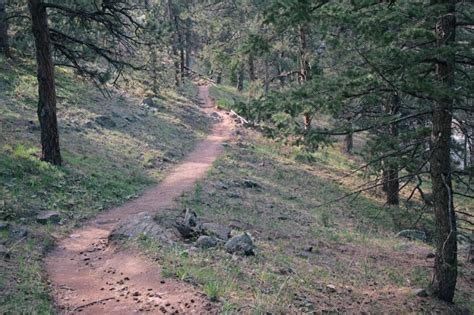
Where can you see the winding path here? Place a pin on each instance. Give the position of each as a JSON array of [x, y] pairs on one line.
[[89, 276]]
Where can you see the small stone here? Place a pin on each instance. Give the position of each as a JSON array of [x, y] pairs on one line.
[[412, 235], [4, 252], [250, 184], [18, 233], [214, 229], [331, 288], [48, 217], [430, 255], [420, 292], [241, 244], [206, 241], [105, 121]]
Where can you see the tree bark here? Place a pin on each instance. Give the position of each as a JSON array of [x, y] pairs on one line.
[[304, 65], [443, 283], [174, 44], [349, 139], [252, 76], [267, 77], [240, 78], [4, 45], [46, 85], [391, 172]]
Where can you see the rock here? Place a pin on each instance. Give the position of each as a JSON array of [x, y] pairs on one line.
[[4, 252], [304, 254], [420, 292], [143, 224], [241, 244], [18, 233], [412, 235], [206, 241], [149, 102], [331, 288], [89, 124], [233, 195], [220, 185], [105, 122], [430, 255], [190, 218], [185, 231], [214, 229], [48, 217], [250, 184]]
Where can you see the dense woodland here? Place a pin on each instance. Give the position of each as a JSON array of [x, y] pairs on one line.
[[311, 74]]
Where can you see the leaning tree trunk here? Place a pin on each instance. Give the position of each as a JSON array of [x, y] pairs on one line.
[[46, 86], [4, 46], [443, 284]]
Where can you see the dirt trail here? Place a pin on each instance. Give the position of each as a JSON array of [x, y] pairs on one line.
[[89, 276]]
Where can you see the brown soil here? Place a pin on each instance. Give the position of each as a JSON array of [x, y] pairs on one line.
[[90, 276]]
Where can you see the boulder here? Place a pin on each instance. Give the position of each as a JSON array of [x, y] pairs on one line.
[[48, 217], [205, 241], [412, 235], [143, 225], [241, 245], [216, 230]]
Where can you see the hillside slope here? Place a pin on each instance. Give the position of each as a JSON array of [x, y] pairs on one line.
[[314, 254], [114, 147]]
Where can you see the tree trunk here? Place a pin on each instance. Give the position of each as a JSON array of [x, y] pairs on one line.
[[304, 65], [391, 172], [252, 76], [46, 86], [174, 44], [240, 78], [4, 45], [348, 143], [443, 284], [219, 77], [267, 77], [307, 119], [182, 64]]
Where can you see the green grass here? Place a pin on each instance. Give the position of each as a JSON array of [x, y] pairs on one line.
[[104, 165]]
